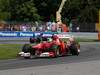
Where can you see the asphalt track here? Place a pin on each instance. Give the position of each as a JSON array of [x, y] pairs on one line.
[[89, 52]]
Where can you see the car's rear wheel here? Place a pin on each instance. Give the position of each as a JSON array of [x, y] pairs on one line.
[[74, 50]]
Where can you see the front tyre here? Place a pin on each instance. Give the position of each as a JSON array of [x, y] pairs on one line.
[[27, 49]]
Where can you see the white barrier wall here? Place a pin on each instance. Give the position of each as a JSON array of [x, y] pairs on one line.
[[27, 35], [85, 35]]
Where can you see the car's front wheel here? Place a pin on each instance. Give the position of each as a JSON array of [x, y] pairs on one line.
[[28, 49]]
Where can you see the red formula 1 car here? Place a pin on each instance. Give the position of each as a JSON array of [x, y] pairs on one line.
[[49, 47]]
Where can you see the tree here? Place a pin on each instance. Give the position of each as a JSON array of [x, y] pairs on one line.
[[23, 10], [19, 10], [47, 8], [4, 9], [83, 10]]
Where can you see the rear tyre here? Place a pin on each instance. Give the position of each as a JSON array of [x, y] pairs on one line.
[[74, 50]]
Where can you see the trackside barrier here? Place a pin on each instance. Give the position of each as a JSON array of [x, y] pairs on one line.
[[26, 35], [84, 35]]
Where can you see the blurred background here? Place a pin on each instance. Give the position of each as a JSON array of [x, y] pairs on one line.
[[40, 15]]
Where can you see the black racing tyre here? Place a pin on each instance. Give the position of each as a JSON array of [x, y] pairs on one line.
[[74, 50], [26, 48]]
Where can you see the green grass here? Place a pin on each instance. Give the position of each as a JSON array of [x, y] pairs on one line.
[[9, 51]]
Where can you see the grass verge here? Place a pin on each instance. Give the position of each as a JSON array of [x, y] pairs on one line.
[[9, 51]]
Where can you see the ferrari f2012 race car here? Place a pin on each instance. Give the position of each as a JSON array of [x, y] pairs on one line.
[[52, 46]]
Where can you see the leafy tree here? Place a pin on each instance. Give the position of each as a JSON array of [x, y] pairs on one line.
[[19, 10], [47, 8], [4, 9], [71, 10], [23, 10], [83, 10]]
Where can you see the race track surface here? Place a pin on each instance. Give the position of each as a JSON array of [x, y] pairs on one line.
[[89, 52]]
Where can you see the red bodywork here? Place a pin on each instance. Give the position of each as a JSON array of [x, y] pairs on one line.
[[44, 46]]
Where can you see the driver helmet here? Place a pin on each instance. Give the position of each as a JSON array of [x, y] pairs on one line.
[[54, 37]]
